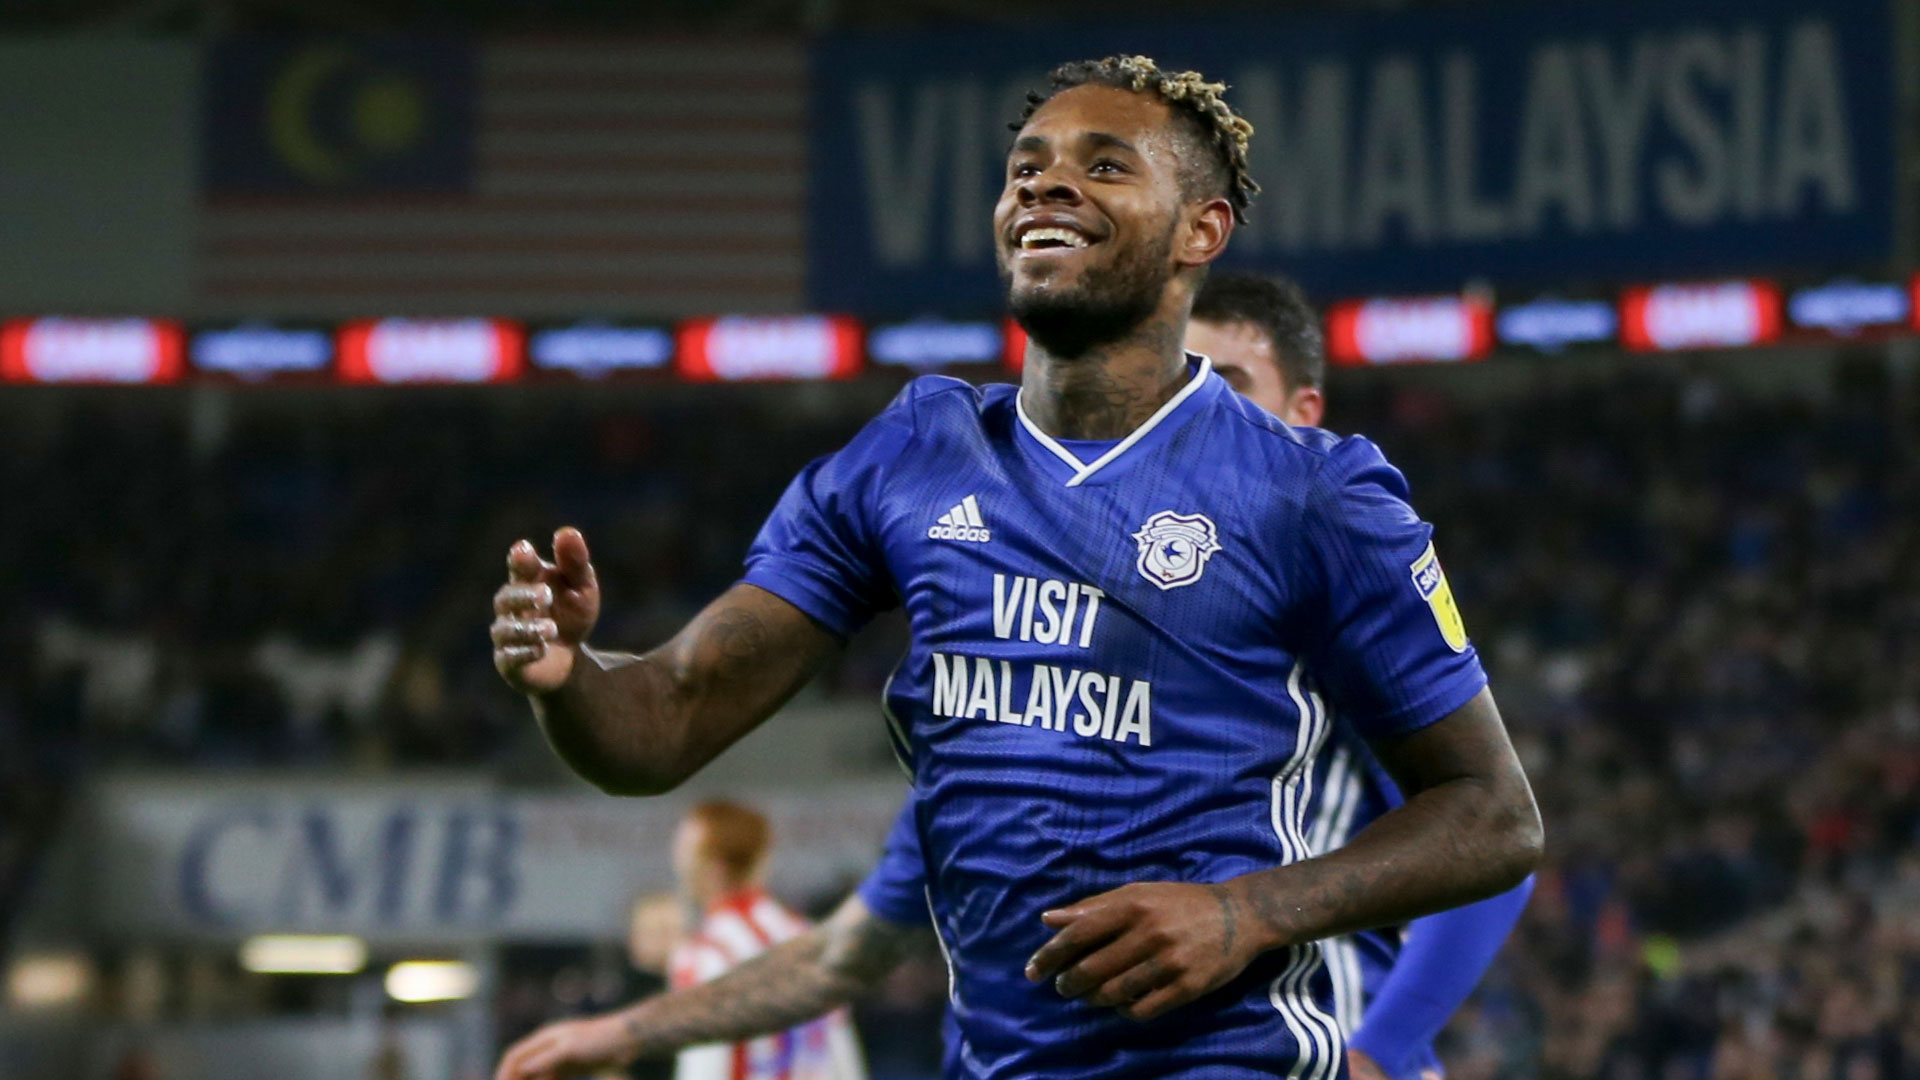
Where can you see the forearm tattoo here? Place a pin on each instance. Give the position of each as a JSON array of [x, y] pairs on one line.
[[787, 985]]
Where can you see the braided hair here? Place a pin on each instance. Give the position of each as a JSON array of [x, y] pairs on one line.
[[1196, 104]]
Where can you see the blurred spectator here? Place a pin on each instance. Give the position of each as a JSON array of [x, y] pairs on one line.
[[655, 928]]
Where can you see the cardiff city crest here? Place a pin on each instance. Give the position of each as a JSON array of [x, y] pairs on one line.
[[1174, 548]]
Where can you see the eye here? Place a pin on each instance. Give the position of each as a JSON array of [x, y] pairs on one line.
[[1026, 168], [1107, 165]]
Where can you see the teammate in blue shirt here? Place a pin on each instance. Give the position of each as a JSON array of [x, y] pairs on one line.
[[1136, 602], [1394, 988]]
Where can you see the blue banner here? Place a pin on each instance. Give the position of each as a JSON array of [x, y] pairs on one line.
[[288, 116], [1405, 152]]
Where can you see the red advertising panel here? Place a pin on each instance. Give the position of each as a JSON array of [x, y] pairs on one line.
[[1700, 315], [430, 351], [57, 350], [735, 348], [1443, 329], [1016, 347]]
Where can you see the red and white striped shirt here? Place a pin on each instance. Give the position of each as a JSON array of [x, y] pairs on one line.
[[734, 931]]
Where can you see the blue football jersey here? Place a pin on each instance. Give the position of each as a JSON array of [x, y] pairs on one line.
[[1350, 790], [896, 891], [1124, 660]]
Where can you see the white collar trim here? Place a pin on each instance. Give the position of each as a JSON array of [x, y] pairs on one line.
[[1082, 470]]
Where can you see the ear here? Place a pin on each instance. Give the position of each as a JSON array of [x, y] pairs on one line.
[[1305, 407], [1209, 224]]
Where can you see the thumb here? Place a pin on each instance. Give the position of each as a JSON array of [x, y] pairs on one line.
[[570, 552]]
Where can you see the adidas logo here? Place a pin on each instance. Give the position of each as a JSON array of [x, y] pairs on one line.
[[961, 523]]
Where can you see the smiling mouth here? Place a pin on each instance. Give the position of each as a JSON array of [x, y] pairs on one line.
[[1052, 238]]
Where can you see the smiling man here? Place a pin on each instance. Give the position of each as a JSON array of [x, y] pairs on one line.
[[1121, 674]]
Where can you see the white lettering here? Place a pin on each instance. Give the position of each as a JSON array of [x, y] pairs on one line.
[[1040, 697], [1301, 156], [1137, 719], [1051, 695], [1063, 686], [1005, 604], [1393, 156], [1049, 629], [1093, 596], [980, 703], [1553, 167], [1468, 217], [1746, 140], [1814, 146], [1088, 723], [949, 684], [1621, 110], [899, 185], [969, 204], [1694, 196]]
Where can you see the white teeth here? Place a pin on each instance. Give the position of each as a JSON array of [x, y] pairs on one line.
[[1033, 238]]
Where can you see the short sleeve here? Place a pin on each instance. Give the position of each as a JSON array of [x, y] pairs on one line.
[[820, 550], [1390, 649], [896, 891]]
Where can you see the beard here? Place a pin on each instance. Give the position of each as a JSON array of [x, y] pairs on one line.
[[1103, 306]]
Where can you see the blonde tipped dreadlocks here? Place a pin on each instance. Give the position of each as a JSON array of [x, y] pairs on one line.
[[1199, 105]]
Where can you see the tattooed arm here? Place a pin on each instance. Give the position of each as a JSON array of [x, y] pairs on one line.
[[641, 724], [1469, 829], [787, 985]]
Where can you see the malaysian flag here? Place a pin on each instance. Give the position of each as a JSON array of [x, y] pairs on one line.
[[518, 177]]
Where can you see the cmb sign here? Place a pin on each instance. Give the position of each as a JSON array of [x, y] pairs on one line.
[[424, 861], [1409, 152]]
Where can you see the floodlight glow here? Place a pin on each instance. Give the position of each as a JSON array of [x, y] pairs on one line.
[[48, 980], [415, 981], [303, 954]]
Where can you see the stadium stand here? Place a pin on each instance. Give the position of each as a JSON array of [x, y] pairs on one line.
[[1698, 591]]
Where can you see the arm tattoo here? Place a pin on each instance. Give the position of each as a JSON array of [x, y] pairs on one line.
[[639, 725], [1469, 829], [738, 638], [1225, 898], [789, 984]]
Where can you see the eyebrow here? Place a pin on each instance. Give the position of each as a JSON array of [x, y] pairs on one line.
[[1027, 144]]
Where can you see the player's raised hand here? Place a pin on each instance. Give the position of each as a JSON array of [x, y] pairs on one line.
[[569, 1048], [544, 612], [1146, 948]]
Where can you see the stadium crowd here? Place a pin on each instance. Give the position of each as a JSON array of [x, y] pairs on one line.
[[1699, 601]]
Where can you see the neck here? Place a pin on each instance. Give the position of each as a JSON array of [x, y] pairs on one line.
[[723, 895], [1110, 389]]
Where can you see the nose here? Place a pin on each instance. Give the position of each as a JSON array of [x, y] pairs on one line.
[[1051, 186]]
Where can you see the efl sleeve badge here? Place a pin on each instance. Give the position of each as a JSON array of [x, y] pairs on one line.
[[1432, 583]]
